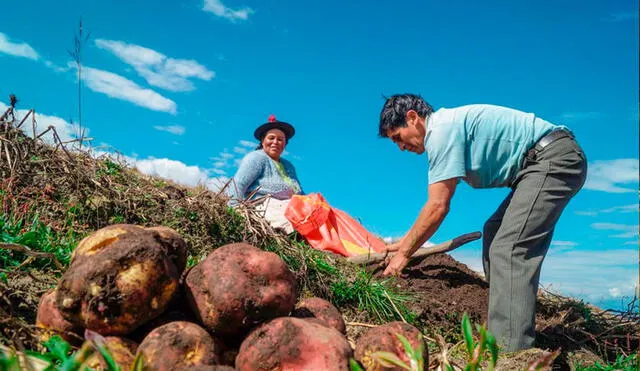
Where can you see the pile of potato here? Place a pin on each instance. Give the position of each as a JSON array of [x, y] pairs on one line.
[[236, 309]]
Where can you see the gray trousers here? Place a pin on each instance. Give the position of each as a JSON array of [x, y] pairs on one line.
[[517, 237]]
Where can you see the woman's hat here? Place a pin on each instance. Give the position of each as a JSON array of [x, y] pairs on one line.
[[273, 123]]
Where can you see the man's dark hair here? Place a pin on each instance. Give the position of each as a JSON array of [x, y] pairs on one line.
[[394, 111]]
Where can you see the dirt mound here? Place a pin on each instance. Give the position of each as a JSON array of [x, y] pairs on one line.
[[444, 289]]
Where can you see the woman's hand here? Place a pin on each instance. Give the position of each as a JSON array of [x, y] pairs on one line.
[[392, 247]]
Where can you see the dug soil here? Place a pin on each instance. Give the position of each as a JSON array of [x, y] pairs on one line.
[[443, 289]]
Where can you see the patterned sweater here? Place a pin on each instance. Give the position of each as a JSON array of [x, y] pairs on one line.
[[257, 169]]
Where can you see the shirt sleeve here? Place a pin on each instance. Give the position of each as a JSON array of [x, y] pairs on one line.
[[250, 169], [445, 147]]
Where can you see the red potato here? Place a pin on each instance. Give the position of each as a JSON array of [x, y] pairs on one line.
[[293, 344], [121, 277], [384, 338], [51, 321], [237, 287], [123, 352], [321, 310], [179, 346]]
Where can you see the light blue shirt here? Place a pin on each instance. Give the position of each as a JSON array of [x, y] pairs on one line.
[[258, 171], [480, 143]]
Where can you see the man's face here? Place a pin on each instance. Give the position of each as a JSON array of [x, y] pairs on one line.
[[411, 137]]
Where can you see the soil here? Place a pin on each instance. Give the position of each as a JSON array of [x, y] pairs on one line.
[[443, 289]]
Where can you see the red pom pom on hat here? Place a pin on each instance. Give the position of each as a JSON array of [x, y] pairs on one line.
[[272, 118]]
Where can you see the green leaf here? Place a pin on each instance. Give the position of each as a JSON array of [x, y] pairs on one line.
[[407, 346], [353, 365], [138, 364], [387, 359], [468, 333], [492, 344], [75, 363], [449, 367], [58, 347]]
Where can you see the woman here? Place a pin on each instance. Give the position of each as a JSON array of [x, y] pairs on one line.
[[264, 174]]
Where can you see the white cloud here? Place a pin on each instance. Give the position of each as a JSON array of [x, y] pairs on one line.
[[609, 175], [156, 68], [17, 49], [226, 155], [173, 129], [177, 171], [623, 209], [564, 243], [66, 131], [629, 230], [631, 243], [116, 86], [570, 272], [55, 67], [619, 209], [248, 143], [218, 8], [587, 213], [240, 150], [615, 292], [218, 172], [579, 116]]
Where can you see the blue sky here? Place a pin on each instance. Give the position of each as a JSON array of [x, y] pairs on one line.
[[178, 87]]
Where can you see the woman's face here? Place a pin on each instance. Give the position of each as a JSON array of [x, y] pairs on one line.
[[273, 143]]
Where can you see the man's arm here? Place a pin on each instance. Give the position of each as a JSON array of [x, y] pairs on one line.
[[428, 221]]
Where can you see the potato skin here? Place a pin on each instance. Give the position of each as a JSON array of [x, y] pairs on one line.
[[237, 287], [120, 277], [291, 344], [122, 350], [179, 346], [384, 338], [322, 310], [51, 321]]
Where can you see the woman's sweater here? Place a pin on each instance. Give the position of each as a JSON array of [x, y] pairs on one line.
[[258, 170]]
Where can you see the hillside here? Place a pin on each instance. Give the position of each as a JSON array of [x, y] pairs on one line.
[[52, 196]]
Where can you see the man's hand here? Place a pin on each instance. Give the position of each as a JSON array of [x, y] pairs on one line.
[[396, 265]]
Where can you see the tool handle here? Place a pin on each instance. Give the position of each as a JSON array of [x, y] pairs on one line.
[[421, 253]]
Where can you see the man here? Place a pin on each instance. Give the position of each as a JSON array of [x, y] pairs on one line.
[[490, 146]]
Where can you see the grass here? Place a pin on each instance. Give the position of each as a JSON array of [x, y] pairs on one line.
[[376, 297], [622, 363], [37, 236]]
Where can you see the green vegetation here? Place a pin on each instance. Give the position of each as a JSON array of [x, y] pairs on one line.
[[29, 242], [377, 297], [622, 363]]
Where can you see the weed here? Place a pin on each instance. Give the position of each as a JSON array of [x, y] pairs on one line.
[[36, 236], [622, 362], [376, 297], [414, 355], [109, 168]]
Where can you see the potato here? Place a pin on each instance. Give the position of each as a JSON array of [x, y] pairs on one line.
[[322, 310], [123, 352], [237, 287], [384, 338], [51, 321], [179, 346], [291, 344], [120, 277]]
